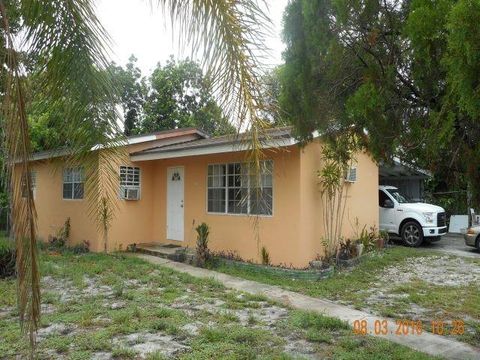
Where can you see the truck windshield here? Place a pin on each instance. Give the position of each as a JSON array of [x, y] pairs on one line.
[[402, 199]]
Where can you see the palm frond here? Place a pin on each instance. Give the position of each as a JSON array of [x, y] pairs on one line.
[[16, 147], [67, 42], [230, 35]]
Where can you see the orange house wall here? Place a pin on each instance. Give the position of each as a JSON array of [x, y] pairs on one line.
[[292, 235], [132, 221], [237, 233], [53, 210], [361, 206]]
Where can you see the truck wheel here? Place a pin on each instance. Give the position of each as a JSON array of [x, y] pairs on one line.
[[412, 234]]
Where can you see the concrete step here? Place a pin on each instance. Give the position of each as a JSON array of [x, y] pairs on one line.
[[166, 251]]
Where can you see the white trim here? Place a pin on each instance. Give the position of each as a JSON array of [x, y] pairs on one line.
[[81, 170], [33, 184], [141, 139], [208, 150], [50, 154]]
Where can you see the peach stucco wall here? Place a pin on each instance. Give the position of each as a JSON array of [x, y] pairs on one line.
[[240, 233], [361, 206], [292, 235], [53, 210]]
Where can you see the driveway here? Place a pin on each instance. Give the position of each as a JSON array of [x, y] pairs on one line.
[[454, 244]]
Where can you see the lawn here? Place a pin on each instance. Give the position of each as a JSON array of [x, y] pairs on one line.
[[399, 283], [116, 306]]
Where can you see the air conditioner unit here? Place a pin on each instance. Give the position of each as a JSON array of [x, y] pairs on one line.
[[351, 175], [131, 193]]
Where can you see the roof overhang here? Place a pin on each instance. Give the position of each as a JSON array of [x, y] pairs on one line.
[[210, 149], [401, 170], [167, 135]]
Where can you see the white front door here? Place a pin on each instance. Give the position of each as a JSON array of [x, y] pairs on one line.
[[175, 214]]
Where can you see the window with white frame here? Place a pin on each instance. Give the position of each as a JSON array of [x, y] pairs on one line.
[[351, 174], [73, 183], [129, 182], [33, 184], [233, 189]]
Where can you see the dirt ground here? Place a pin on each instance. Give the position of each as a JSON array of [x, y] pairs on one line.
[[118, 307]]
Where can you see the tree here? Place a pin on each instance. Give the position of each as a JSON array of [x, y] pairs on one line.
[[271, 90], [338, 154], [44, 119], [181, 96], [67, 41], [43, 132], [403, 72], [133, 91]]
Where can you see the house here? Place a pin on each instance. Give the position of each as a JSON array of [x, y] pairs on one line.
[[175, 180]]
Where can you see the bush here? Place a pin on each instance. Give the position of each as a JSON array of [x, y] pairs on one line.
[[347, 250], [80, 248], [371, 238], [203, 253], [60, 240], [7, 258], [56, 243], [265, 256]]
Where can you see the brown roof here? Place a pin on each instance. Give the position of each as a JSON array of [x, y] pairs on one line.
[[173, 132], [270, 134], [48, 154]]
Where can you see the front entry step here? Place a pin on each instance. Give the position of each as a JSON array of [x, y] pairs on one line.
[[167, 251]]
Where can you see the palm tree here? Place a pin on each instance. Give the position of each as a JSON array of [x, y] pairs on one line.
[[68, 44]]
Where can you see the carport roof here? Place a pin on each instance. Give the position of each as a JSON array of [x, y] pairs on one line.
[[402, 170]]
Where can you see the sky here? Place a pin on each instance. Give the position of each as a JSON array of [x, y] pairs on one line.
[[136, 28]]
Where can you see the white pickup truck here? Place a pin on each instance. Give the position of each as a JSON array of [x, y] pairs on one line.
[[414, 222]]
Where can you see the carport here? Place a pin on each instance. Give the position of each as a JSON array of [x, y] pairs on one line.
[[408, 179]]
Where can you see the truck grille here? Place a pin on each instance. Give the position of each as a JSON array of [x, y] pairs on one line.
[[441, 219]]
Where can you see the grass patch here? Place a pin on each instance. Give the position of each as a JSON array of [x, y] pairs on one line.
[[452, 300], [156, 300], [440, 302], [335, 339], [343, 285], [123, 353]]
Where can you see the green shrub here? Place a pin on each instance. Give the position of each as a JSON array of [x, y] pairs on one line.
[[265, 256], [59, 241], [56, 243], [7, 258], [80, 248], [203, 253]]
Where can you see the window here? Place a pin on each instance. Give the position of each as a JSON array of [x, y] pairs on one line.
[[232, 189], [129, 182], [381, 198], [73, 180], [402, 199], [351, 174], [33, 184]]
